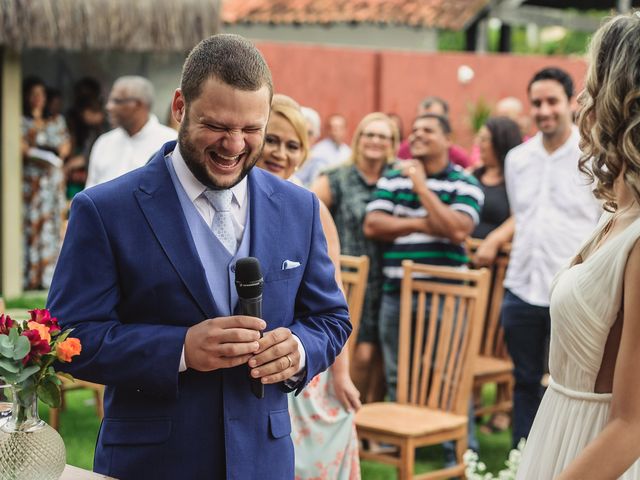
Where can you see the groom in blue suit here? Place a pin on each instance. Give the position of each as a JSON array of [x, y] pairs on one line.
[[149, 289]]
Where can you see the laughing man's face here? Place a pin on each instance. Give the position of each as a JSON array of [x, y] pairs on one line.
[[222, 132]]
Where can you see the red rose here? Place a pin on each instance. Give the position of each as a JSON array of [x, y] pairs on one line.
[[43, 316], [38, 346], [5, 324]]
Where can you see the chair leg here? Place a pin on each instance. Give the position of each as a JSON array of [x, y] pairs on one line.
[[99, 403], [461, 447], [54, 418], [407, 460], [378, 386]]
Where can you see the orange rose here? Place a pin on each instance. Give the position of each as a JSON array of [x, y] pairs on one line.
[[43, 330], [67, 349]]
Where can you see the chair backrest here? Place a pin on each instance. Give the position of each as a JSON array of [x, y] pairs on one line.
[[493, 336], [441, 317], [355, 272]]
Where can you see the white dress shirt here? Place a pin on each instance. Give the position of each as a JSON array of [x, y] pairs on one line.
[[116, 152], [239, 205], [554, 211], [324, 155]]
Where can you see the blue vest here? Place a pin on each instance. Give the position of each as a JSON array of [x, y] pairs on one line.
[[219, 265]]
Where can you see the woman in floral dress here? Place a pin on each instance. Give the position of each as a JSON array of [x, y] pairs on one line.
[[323, 428], [45, 142]]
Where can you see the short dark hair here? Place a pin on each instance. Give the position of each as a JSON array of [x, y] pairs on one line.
[[28, 84], [231, 59], [433, 100], [505, 134], [557, 74], [442, 120]]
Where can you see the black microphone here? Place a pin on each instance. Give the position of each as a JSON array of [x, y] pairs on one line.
[[249, 287]]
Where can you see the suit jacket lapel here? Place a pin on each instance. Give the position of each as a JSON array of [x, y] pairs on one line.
[[266, 220], [161, 207]]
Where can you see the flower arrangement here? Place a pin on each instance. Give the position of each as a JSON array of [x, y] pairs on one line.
[[477, 470], [28, 350]]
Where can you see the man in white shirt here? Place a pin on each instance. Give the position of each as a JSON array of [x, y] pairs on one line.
[[137, 134], [328, 152], [553, 212]]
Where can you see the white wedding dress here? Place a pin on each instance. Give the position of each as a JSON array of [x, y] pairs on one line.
[[585, 301]]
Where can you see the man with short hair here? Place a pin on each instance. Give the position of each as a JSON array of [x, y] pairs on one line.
[[146, 279], [328, 152], [437, 106], [136, 135], [553, 212], [424, 210]]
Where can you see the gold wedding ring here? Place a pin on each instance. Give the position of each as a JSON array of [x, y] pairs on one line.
[[290, 361]]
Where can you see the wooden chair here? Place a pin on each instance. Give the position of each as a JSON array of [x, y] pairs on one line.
[[355, 272], [67, 386], [434, 368], [494, 365]]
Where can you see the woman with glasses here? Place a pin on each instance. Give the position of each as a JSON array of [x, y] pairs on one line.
[[347, 190]]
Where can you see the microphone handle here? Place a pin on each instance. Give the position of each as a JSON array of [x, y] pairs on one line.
[[253, 307]]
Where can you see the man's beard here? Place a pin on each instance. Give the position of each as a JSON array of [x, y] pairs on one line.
[[197, 165]]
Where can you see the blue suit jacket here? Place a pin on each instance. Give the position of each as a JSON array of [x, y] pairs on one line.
[[130, 283]]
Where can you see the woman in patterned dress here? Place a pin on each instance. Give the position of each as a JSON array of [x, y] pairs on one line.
[[45, 142], [323, 428]]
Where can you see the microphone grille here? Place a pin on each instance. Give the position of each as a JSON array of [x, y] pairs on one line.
[[248, 277]]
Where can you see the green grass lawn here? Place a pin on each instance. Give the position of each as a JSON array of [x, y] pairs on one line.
[[79, 426]]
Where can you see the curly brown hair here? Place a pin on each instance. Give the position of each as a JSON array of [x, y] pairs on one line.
[[609, 118]]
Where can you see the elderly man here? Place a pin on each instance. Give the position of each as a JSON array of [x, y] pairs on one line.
[[136, 136], [146, 279]]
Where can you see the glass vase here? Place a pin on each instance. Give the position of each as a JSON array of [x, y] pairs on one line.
[[29, 448]]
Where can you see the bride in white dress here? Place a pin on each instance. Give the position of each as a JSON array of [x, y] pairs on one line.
[[588, 424]]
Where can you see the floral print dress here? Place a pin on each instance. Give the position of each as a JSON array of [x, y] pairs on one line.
[[324, 433], [44, 204]]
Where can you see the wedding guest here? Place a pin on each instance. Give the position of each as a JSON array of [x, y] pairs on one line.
[[346, 190], [323, 414], [45, 142], [553, 211], [496, 137]]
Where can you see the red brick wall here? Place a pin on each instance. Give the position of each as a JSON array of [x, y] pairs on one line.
[[355, 82]]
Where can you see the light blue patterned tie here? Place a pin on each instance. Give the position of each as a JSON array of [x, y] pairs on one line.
[[222, 225]]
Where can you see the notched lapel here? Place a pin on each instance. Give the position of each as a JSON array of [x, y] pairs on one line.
[[266, 221], [160, 205]]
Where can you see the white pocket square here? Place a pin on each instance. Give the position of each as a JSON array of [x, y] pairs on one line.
[[289, 264]]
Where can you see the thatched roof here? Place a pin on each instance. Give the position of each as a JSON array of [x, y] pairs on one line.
[[131, 25]]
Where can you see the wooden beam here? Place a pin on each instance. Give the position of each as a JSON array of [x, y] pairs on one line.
[[545, 16], [11, 251], [624, 6]]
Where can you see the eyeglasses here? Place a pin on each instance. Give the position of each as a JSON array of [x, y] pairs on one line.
[[372, 135], [122, 101]]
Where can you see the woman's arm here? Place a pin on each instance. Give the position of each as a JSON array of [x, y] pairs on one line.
[[617, 447], [487, 252], [346, 391], [322, 189]]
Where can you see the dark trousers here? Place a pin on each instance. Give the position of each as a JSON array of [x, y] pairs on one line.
[[526, 332]]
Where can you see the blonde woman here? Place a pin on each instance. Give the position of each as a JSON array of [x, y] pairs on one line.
[[346, 191], [323, 427], [588, 424]]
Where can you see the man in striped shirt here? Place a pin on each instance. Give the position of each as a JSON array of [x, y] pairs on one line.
[[424, 209]]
